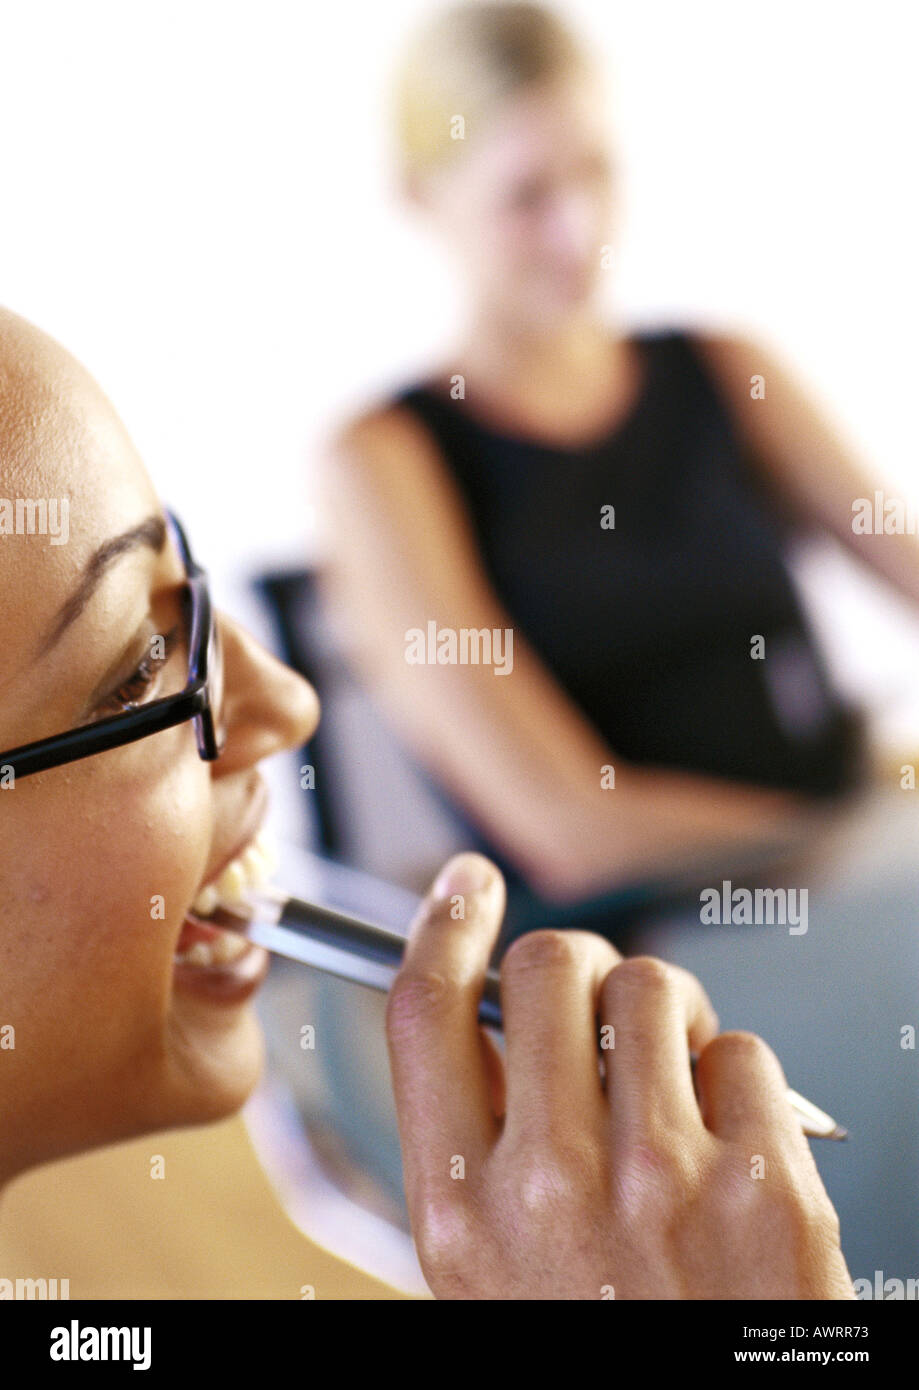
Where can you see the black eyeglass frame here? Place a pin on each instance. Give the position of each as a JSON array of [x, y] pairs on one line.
[[195, 701]]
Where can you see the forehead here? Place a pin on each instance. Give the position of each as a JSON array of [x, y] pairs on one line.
[[542, 131], [60, 443]]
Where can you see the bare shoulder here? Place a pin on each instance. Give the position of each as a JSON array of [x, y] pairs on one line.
[[739, 360], [385, 433], [729, 352], [385, 464], [775, 405], [388, 455]]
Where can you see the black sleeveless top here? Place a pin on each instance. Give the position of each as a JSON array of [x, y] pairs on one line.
[[650, 625]]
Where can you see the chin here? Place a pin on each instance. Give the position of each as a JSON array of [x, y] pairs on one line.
[[216, 1058], [554, 311]]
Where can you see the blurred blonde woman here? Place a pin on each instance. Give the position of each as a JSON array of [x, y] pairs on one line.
[[620, 501]]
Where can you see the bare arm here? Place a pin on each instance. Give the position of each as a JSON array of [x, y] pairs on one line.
[[514, 749], [805, 460]]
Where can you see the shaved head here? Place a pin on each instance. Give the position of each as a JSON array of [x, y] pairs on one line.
[[48, 404], [71, 482], [33, 367]]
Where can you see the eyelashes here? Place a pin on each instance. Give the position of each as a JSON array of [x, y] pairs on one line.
[[141, 684]]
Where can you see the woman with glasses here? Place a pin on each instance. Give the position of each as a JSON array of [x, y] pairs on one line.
[[132, 722]]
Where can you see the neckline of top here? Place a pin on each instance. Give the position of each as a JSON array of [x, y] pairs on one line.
[[624, 418]]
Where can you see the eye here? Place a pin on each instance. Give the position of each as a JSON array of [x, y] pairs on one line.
[[141, 685]]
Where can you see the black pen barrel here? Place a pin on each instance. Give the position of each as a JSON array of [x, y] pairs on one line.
[[372, 943]]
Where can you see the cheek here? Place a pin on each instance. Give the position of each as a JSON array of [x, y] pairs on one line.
[[491, 240], [100, 894], [528, 249], [501, 252]]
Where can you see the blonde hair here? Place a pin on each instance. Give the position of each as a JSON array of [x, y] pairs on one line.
[[467, 62]]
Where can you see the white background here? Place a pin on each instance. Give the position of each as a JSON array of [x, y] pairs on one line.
[[197, 201]]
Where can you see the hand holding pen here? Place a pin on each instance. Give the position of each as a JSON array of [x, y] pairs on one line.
[[621, 1147], [368, 954], [532, 1176]]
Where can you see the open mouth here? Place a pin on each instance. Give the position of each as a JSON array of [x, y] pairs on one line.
[[212, 944]]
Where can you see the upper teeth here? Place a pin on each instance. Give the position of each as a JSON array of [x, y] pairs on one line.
[[252, 867]]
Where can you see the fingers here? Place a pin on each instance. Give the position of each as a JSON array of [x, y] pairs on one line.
[[743, 1093], [442, 1080], [550, 983], [656, 1013]]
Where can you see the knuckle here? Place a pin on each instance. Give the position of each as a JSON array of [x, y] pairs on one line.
[[446, 1235], [639, 976], [736, 1192], [804, 1211], [802, 1201], [790, 1201], [740, 1046], [538, 951], [558, 1176], [416, 998], [788, 1209]]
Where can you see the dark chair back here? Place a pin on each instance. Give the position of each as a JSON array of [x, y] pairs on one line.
[[375, 807]]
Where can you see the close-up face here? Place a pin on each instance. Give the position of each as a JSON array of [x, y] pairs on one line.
[[528, 204], [102, 859]]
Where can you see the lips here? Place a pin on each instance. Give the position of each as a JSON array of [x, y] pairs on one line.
[[231, 982]]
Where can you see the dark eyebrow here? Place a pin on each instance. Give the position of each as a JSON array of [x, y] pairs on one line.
[[151, 532]]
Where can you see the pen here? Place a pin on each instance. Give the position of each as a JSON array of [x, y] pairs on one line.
[[367, 954]]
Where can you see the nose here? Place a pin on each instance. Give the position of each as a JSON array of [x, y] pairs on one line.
[[267, 707], [575, 220]]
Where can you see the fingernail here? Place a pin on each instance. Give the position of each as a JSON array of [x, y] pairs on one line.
[[465, 873]]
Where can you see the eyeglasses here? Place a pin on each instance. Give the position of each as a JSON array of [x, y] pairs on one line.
[[201, 699]]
